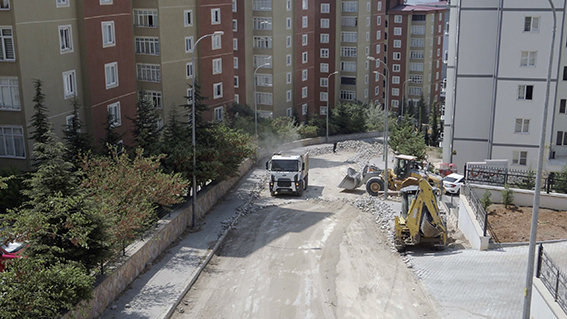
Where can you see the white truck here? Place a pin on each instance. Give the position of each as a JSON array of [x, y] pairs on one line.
[[288, 173]]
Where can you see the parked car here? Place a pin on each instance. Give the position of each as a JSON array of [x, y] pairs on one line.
[[452, 183], [10, 251]]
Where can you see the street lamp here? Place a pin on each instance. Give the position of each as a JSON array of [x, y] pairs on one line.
[[328, 84], [385, 122], [256, 99], [194, 204]]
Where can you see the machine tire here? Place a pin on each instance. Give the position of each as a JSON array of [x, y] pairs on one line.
[[374, 185], [300, 191], [305, 182]]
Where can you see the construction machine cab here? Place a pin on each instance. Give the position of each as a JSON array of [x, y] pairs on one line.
[[408, 193]]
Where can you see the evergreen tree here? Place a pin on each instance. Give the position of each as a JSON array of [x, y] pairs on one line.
[[403, 139], [421, 112], [40, 123], [177, 145], [146, 131], [77, 142], [435, 125], [112, 137]]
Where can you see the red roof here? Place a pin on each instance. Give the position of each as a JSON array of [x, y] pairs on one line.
[[432, 6]]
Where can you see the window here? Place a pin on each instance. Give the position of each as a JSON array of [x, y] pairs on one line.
[[396, 68], [111, 74], [349, 6], [304, 75], [148, 46], [151, 72], [216, 39], [414, 78], [217, 90], [348, 66], [304, 4], [288, 112], [189, 70], [525, 92], [325, 23], [416, 54], [237, 98], [288, 23], [304, 109], [215, 16], [235, 62], [414, 90], [348, 36], [348, 80], [304, 21], [219, 113], [529, 59], [397, 19], [188, 44], [377, 48], [287, 5], [69, 84], [288, 95], [234, 25], [562, 106], [368, 6], [395, 92], [12, 141], [264, 98], [108, 34], [395, 80], [114, 114], [397, 31], [378, 20], [417, 42], [323, 110], [146, 18], [65, 39], [5, 5], [234, 7], [154, 97], [264, 42], [349, 52], [324, 38], [288, 59], [264, 60], [397, 43], [288, 41], [304, 92], [531, 24], [262, 5], [348, 95], [561, 138], [189, 96], [304, 57], [367, 21], [416, 67], [304, 39], [217, 66], [379, 6], [519, 157], [188, 14], [324, 53], [522, 126], [417, 29], [9, 94], [366, 79], [69, 122], [367, 36], [397, 56], [62, 3], [263, 23], [235, 44], [264, 80], [324, 82], [325, 8], [349, 21]]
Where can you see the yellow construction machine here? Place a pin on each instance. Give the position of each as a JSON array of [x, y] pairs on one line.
[[420, 220], [407, 171]]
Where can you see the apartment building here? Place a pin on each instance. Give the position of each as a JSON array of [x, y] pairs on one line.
[[498, 62]]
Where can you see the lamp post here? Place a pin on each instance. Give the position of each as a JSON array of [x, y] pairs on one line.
[[255, 98], [194, 204], [328, 84], [386, 104]]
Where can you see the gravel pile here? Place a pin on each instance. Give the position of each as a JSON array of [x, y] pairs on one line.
[[364, 150]]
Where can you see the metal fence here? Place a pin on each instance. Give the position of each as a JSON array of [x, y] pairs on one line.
[[476, 205], [554, 280], [524, 179]]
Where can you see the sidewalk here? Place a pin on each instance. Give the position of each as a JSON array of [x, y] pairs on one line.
[[157, 291]]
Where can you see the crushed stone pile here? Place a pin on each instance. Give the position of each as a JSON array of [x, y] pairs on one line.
[[364, 150]]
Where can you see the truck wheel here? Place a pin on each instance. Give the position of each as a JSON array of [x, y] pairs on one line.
[[300, 190], [305, 182], [374, 186]]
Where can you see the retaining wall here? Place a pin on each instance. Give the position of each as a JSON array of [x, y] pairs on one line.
[[543, 305], [470, 226], [524, 197]]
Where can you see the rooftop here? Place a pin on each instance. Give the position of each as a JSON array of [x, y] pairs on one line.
[[423, 7]]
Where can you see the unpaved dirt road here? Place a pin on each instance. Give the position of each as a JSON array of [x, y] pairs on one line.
[[309, 257]]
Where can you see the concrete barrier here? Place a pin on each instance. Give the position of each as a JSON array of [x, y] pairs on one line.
[[470, 226], [523, 197], [543, 304]]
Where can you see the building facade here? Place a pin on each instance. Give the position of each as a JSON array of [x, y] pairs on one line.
[[277, 56], [496, 83]]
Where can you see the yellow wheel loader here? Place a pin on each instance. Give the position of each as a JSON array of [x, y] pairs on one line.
[[420, 220], [407, 171]]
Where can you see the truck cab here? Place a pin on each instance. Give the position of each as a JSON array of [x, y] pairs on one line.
[[289, 174]]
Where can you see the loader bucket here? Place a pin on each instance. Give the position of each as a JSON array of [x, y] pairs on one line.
[[428, 229], [352, 180]]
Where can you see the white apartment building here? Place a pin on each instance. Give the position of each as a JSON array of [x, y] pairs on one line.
[[496, 83]]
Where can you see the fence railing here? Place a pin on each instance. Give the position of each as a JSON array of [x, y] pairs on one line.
[[524, 179], [479, 212], [554, 280]]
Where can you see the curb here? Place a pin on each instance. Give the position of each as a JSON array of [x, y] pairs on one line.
[[501, 245]]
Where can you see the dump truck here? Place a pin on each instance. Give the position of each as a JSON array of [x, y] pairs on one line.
[[420, 220], [407, 171], [289, 174]]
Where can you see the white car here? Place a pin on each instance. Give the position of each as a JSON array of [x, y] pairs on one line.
[[452, 183]]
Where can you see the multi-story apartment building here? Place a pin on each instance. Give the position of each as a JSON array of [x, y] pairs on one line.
[[279, 56], [496, 83]]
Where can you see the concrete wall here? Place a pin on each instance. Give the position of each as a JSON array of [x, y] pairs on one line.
[[523, 197], [470, 227], [543, 304]]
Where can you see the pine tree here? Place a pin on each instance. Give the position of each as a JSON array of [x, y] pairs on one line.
[[434, 122], [77, 142], [146, 131], [112, 137], [40, 123]]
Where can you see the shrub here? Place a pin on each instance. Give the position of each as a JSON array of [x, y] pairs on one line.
[[507, 196], [307, 131], [485, 200]]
